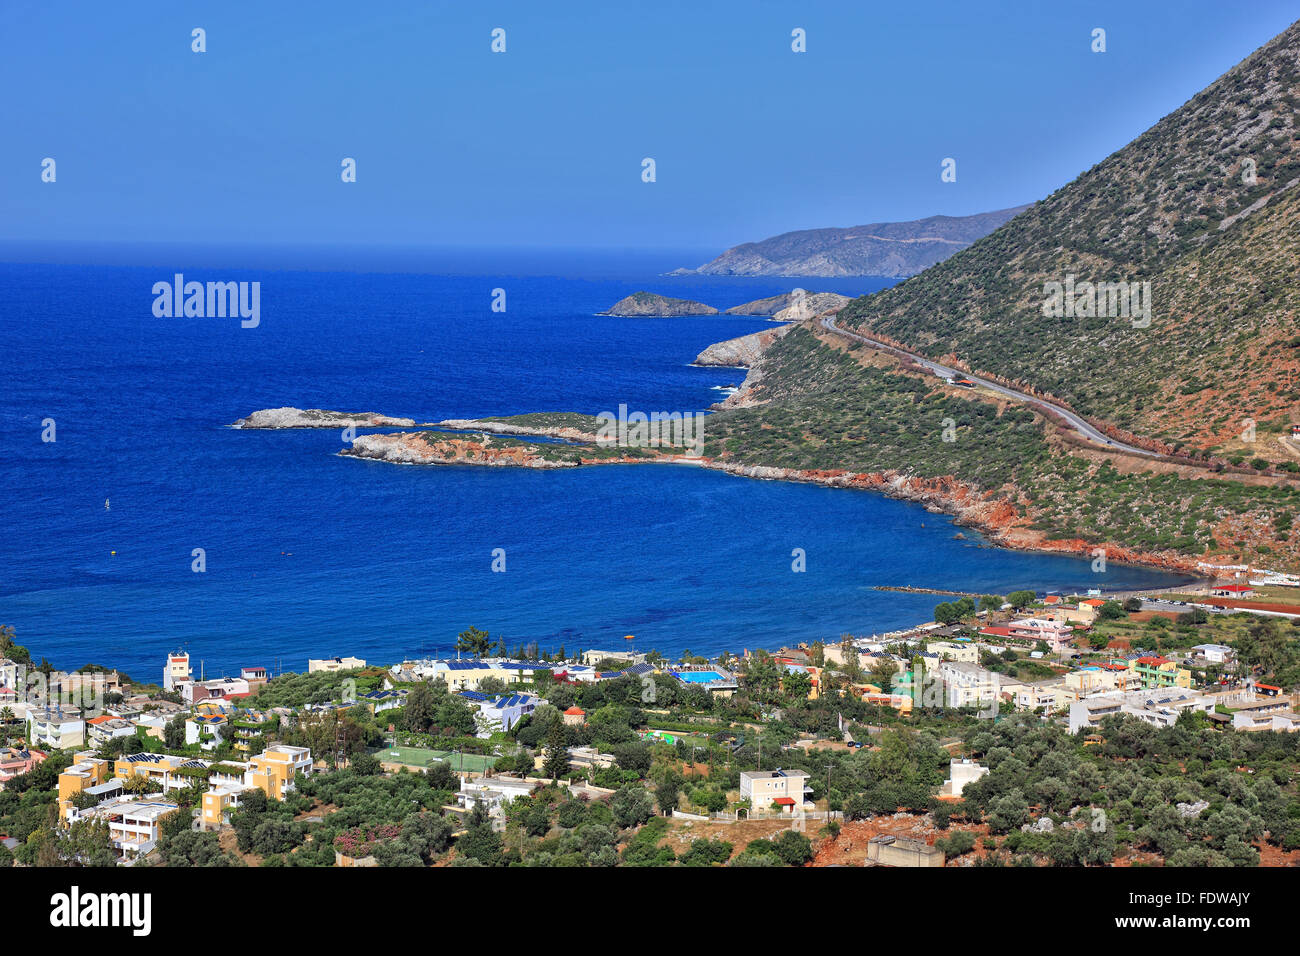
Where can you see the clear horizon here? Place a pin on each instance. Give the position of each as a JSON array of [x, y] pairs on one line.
[[541, 146]]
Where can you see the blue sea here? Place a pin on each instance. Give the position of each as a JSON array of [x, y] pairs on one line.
[[309, 554]]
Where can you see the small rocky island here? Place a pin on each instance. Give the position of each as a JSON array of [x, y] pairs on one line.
[[794, 306], [318, 418], [645, 304]]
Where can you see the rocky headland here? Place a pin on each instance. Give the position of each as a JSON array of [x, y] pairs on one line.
[[793, 306], [741, 352]]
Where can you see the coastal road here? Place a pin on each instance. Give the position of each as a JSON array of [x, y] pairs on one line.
[[1077, 423]]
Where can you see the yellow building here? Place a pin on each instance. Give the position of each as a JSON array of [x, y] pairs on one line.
[[89, 771], [272, 771]]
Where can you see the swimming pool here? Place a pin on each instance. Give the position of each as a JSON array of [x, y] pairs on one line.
[[697, 677]]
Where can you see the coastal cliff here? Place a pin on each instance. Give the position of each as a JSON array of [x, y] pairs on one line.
[[741, 352], [289, 417]]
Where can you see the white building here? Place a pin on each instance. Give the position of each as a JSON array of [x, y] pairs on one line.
[[1215, 653], [1159, 707], [334, 664], [969, 685], [12, 677], [58, 729], [133, 824], [103, 729], [962, 772], [492, 792], [176, 671], [787, 789]]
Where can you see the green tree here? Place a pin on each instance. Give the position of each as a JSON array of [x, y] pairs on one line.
[[480, 842], [1021, 599], [474, 642], [631, 806], [174, 732], [555, 759], [1111, 611]]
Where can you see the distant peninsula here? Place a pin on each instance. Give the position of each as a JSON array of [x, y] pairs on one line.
[[889, 249], [289, 417]]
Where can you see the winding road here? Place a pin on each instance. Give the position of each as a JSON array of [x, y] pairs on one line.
[[1078, 424]]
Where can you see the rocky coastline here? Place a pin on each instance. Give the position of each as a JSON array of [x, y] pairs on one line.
[[423, 448], [741, 352]]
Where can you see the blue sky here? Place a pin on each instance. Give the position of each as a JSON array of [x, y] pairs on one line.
[[542, 145]]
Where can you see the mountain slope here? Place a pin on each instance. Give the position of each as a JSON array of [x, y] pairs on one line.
[[1205, 206], [874, 249], [1222, 346]]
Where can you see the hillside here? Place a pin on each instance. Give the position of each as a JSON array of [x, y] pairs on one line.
[[1222, 346], [874, 249], [1205, 207]]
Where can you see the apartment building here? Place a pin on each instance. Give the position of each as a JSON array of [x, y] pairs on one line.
[[466, 674], [963, 652], [100, 730], [274, 769], [86, 772], [56, 728], [1157, 707], [1154, 672], [176, 670], [786, 789], [133, 824], [969, 685], [1283, 721], [493, 793], [1044, 695], [1057, 634], [164, 772], [223, 688]]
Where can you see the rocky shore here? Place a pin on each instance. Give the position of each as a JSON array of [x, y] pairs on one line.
[[565, 432], [424, 448], [995, 517]]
